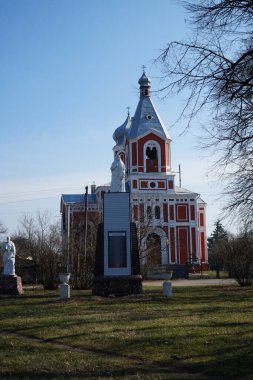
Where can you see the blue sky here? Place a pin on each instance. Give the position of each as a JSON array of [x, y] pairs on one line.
[[68, 71]]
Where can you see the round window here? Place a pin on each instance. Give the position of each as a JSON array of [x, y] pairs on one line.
[[149, 117], [152, 184]]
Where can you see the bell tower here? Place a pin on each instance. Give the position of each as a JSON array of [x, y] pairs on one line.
[[147, 143]]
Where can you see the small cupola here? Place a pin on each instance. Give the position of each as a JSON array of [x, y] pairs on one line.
[[144, 83]]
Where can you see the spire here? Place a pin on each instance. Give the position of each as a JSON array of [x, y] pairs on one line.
[[146, 118], [144, 83]]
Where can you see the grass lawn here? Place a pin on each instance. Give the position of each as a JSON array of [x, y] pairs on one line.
[[200, 333]]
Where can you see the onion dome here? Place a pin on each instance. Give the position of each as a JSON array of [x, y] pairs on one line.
[[120, 132], [144, 83]]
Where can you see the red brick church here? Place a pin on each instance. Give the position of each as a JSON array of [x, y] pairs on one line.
[[170, 219]]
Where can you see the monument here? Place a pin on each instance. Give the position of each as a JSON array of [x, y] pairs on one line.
[[117, 267], [118, 170], [10, 283]]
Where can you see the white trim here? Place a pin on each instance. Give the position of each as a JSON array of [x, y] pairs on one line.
[[190, 235], [170, 245], [175, 239], [127, 159]]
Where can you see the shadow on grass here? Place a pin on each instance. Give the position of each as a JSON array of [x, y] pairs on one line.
[[153, 306], [234, 368], [169, 345], [232, 361]]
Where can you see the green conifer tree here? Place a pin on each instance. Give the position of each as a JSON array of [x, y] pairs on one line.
[[216, 243]]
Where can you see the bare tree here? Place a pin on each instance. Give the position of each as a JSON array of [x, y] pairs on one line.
[[3, 229], [237, 255], [40, 239], [216, 66], [82, 263], [149, 243]]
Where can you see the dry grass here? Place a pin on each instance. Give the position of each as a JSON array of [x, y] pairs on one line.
[[200, 333]]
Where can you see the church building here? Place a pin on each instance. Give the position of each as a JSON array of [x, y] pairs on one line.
[[170, 219]]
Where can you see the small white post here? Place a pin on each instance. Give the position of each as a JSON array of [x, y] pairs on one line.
[[64, 286], [167, 289]]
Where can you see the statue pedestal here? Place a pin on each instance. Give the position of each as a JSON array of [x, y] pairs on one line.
[[64, 291], [11, 285], [117, 285]]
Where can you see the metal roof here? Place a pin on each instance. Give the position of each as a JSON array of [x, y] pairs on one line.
[[200, 201], [182, 190], [147, 119], [78, 198], [144, 80]]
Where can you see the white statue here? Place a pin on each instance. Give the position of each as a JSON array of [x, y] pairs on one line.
[[9, 257], [118, 170]]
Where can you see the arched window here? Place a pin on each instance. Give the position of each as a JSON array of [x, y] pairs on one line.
[[151, 153], [149, 212], [152, 156], [157, 212]]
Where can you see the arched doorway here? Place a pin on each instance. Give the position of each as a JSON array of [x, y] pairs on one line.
[[154, 256]]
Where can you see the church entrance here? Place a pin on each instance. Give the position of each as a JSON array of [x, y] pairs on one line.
[[154, 250]]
